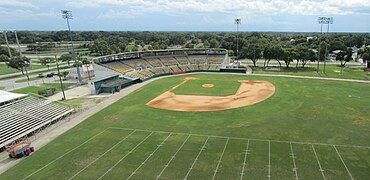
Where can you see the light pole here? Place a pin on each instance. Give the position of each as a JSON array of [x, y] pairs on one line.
[[328, 21], [20, 53], [68, 15], [237, 21], [7, 44], [60, 78]]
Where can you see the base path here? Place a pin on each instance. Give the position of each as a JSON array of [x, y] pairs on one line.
[[249, 93]]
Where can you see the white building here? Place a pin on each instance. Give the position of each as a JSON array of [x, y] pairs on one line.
[[85, 71]]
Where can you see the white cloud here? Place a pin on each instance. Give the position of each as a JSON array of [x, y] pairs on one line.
[[16, 3], [271, 7]]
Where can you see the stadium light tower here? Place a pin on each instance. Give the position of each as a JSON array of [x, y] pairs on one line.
[[328, 21], [237, 21], [66, 14]]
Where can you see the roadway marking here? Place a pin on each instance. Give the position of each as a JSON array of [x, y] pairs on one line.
[[219, 161], [102, 154], [293, 158], [318, 162], [150, 155], [245, 159], [133, 149], [239, 138], [64, 154], [343, 162], [173, 156], [196, 158]]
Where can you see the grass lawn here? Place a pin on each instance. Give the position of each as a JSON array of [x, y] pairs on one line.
[[312, 119], [4, 69], [36, 89], [332, 71], [194, 87]]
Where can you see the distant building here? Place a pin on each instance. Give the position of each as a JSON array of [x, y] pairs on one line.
[[85, 72]]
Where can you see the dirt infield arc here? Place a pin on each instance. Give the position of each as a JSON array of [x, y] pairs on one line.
[[249, 93]]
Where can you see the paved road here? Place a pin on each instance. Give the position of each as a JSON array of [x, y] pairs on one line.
[[30, 71], [10, 84]]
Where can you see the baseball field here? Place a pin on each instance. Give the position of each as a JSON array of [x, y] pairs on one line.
[[305, 129]]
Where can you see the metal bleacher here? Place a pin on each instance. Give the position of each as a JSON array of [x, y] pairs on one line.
[[25, 116]]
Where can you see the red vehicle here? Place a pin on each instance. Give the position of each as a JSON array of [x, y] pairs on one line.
[[20, 149]]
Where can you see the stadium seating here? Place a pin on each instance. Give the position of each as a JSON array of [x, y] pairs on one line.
[[149, 66], [169, 61], [24, 116], [119, 67], [182, 60]]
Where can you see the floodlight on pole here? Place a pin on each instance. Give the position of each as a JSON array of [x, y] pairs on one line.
[[237, 21], [328, 21], [66, 14]]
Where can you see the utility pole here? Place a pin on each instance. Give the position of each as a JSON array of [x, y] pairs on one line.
[[237, 22], [68, 15], [20, 53], [7, 44], [60, 78]]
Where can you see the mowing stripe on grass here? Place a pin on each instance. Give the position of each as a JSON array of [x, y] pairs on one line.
[[219, 161], [102, 154], [64, 154], [343, 163], [240, 138], [133, 149], [195, 160], [293, 158], [318, 162], [150, 155], [245, 160], [165, 167]]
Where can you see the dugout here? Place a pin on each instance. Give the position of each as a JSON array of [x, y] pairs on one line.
[[110, 84]]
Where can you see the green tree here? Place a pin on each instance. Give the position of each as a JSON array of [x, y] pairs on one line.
[[288, 55], [47, 61], [4, 58], [19, 63], [87, 63], [214, 43]]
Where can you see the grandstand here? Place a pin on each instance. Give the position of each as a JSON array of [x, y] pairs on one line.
[[147, 64], [25, 115]]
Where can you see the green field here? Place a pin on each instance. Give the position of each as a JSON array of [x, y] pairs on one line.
[[194, 87], [36, 89], [306, 125], [4, 69], [332, 71]]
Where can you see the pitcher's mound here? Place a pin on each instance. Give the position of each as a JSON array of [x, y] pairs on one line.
[[250, 92], [208, 85]]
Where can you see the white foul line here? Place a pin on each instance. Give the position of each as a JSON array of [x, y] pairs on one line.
[[294, 165], [64, 154], [219, 161], [150, 155], [245, 160], [343, 162], [102, 154], [318, 162], [195, 160], [269, 175], [240, 138], [110, 169], [173, 156]]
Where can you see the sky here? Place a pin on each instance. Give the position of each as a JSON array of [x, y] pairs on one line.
[[186, 15]]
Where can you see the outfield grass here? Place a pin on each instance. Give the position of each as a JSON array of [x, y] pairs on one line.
[[194, 87], [310, 119], [332, 71], [36, 89]]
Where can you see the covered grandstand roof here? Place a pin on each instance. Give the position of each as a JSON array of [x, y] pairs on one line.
[[8, 96]]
